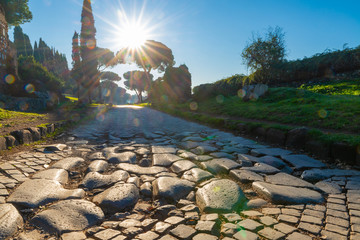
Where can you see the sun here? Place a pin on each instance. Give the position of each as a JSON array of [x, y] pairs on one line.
[[133, 35]]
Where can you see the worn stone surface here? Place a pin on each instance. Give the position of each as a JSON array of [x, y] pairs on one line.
[[172, 188], [262, 168], [165, 160], [131, 168], [37, 192], [220, 196], [10, 220], [59, 175], [197, 175], [124, 157], [68, 215], [288, 180], [182, 166], [97, 166], [120, 197], [302, 161], [286, 194], [68, 163], [95, 180], [220, 165], [245, 176]]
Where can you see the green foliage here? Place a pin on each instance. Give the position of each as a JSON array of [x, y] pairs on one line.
[[175, 85], [16, 11], [335, 87], [110, 76], [138, 81], [152, 55], [226, 87], [22, 42], [6, 114], [35, 73], [263, 53]]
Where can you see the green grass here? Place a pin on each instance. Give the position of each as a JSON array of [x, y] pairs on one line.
[[344, 87], [290, 106], [6, 114]]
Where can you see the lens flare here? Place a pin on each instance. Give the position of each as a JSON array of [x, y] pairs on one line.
[[241, 93], [90, 44], [322, 113], [220, 98], [136, 122], [29, 88], [108, 92], [9, 79], [193, 106], [100, 117]]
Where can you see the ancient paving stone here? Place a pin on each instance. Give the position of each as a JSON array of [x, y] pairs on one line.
[[219, 195], [149, 235], [172, 188], [312, 228], [251, 225], [182, 166], [203, 149], [131, 168], [107, 234], [196, 175], [339, 214], [336, 200], [73, 235], [284, 228], [298, 236], [354, 206], [183, 232], [127, 223], [131, 232], [256, 203], [232, 217], [271, 211], [97, 166], [188, 155], [210, 217], [4, 192], [315, 175], [165, 160], [134, 180], [203, 158], [262, 168], [162, 227], [95, 180], [37, 192], [68, 215], [271, 233], [354, 213], [163, 149], [142, 151], [222, 155], [96, 156], [286, 194], [124, 157], [220, 165], [206, 227], [168, 237], [268, 221], [245, 176], [245, 235], [229, 229], [120, 197], [68, 163], [329, 187], [288, 219], [204, 236], [337, 229], [148, 223], [291, 212], [272, 161], [251, 213], [10, 220], [146, 189], [311, 219], [175, 220], [332, 236], [313, 213], [303, 161], [316, 207], [288, 180], [337, 207], [59, 175]]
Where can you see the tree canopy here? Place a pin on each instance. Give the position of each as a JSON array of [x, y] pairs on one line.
[[139, 81], [16, 11], [263, 53], [152, 55]]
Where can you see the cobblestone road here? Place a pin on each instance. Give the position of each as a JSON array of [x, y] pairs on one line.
[[135, 173]]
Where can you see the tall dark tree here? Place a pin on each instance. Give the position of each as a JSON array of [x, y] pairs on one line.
[[76, 62], [16, 11], [22, 42], [88, 49], [177, 83], [139, 81]]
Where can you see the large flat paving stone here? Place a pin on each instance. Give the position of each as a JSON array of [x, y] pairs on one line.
[[196, 175], [68, 163], [276, 152], [68, 216], [131, 168], [220, 196], [302, 161], [120, 197], [10, 220], [272, 161], [172, 188], [124, 157], [163, 149], [279, 194], [182, 166], [262, 168], [245, 176], [220, 165], [38, 192], [165, 160], [59, 175], [95, 180], [97, 166], [315, 175], [288, 180]]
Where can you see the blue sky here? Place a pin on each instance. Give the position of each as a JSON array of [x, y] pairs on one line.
[[207, 35]]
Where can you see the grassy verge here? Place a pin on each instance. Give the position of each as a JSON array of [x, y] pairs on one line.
[[335, 87]]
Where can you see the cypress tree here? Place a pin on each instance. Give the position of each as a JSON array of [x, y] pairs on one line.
[[76, 62], [88, 49]]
